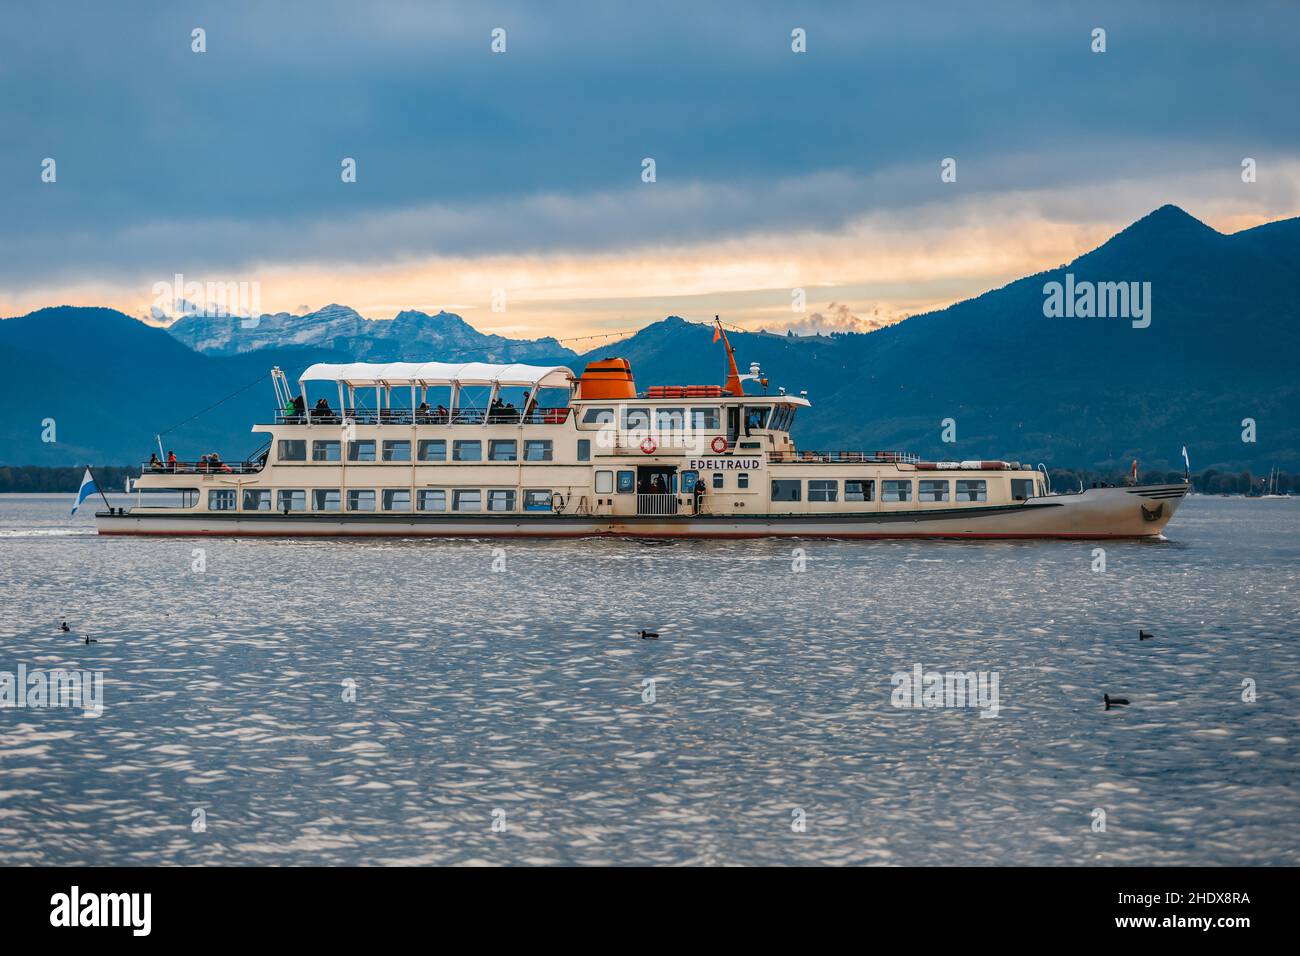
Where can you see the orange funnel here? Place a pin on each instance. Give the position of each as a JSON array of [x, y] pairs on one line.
[[606, 379]]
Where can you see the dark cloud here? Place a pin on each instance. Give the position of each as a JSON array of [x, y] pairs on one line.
[[157, 145]]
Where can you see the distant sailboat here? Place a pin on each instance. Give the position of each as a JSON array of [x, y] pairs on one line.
[[1272, 485]]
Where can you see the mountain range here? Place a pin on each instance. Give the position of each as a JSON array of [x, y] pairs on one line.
[[1221, 348], [343, 330]]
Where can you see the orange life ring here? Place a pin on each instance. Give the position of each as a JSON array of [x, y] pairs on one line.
[[719, 445], [648, 445]]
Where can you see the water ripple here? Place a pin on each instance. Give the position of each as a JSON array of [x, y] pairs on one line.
[[398, 702]]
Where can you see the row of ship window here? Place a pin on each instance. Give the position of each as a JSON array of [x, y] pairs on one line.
[[390, 499], [700, 419], [927, 489], [433, 449], [539, 499], [825, 490]]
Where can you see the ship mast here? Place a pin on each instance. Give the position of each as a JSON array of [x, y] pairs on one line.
[[734, 385]]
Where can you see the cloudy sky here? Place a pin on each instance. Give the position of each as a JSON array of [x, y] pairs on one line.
[[523, 170]]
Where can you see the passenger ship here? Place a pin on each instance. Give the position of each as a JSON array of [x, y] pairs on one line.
[[590, 455]]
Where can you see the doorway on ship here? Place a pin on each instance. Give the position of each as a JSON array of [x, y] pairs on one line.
[[656, 490]]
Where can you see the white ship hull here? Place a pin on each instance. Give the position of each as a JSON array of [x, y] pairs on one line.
[[1097, 513], [608, 461]]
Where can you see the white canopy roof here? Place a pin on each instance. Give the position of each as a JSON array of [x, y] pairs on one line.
[[362, 374]]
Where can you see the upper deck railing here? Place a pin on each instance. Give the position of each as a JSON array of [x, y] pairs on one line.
[[405, 416], [844, 457], [209, 465], [201, 467]]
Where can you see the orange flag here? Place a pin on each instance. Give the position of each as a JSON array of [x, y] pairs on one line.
[[717, 333]]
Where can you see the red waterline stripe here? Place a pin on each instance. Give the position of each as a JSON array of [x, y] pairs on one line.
[[951, 536]]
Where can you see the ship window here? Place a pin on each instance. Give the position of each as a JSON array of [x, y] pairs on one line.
[[859, 489], [751, 445], [636, 418], [467, 500], [823, 490], [503, 450], [397, 499], [584, 449], [257, 499], [972, 490], [932, 490], [325, 499], [627, 481], [362, 450], [786, 489], [325, 450], [397, 450], [537, 499], [293, 449], [359, 500], [604, 482], [501, 500], [291, 500], [467, 451], [895, 491], [537, 449], [757, 417], [433, 449], [718, 479], [1022, 488], [598, 416], [706, 419], [689, 478], [742, 480], [670, 419], [432, 499], [221, 499]]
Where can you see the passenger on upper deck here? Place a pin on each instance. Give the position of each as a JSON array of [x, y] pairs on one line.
[[171, 461], [322, 410], [154, 463]]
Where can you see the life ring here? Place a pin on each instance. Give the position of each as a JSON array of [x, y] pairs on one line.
[[648, 445], [719, 445]]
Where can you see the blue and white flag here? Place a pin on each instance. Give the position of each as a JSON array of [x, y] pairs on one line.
[[1185, 459], [88, 488]]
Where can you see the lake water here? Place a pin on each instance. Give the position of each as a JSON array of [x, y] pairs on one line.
[[502, 716]]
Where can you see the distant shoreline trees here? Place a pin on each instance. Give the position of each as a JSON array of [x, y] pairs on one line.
[[38, 479], [1208, 482]]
